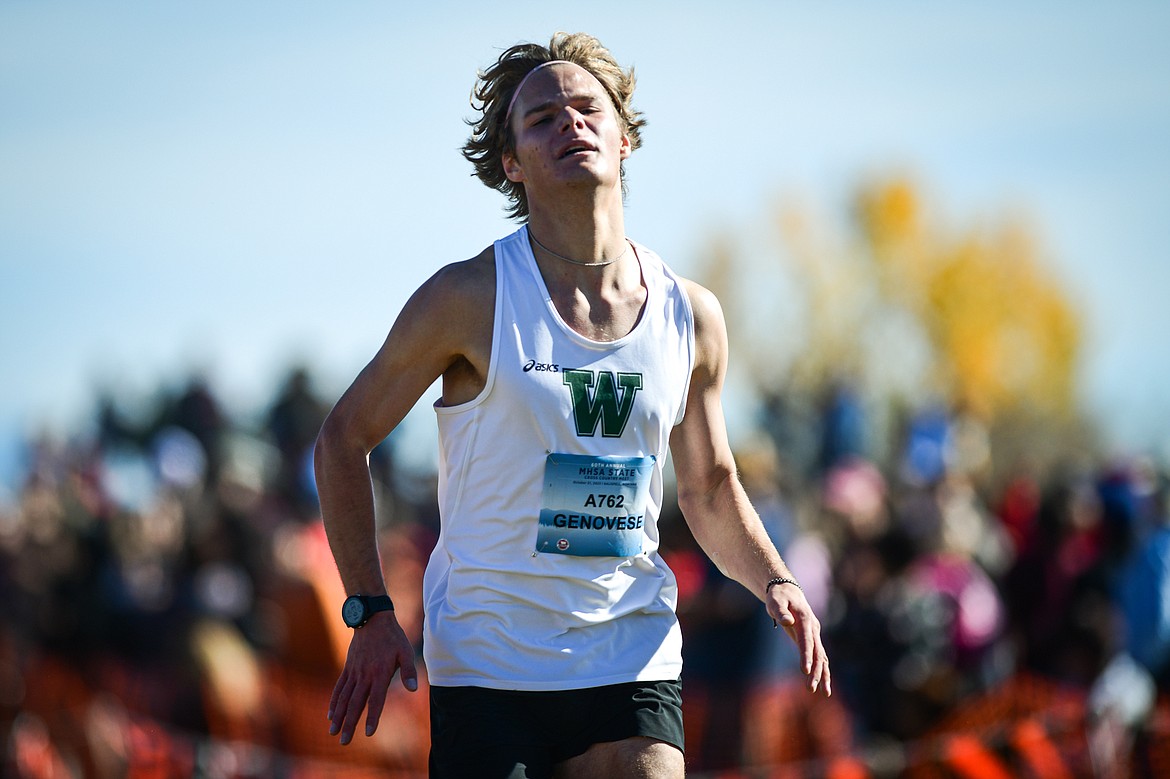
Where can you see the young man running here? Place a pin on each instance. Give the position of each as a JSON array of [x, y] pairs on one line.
[[573, 361]]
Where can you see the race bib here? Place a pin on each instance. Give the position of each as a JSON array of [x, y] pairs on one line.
[[594, 506]]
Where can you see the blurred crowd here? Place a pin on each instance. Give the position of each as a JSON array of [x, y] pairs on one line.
[[169, 604], [1021, 603]]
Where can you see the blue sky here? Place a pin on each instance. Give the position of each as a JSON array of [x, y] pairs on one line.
[[234, 186]]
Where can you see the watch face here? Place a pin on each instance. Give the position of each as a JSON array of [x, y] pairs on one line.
[[353, 611]]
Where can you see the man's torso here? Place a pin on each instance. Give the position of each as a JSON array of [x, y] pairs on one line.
[[546, 574]]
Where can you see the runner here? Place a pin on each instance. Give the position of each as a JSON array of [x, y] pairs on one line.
[[573, 362]]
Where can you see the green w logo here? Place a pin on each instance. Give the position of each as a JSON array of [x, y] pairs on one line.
[[604, 404]]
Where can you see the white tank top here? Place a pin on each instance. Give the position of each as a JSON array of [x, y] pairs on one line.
[[546, 574]]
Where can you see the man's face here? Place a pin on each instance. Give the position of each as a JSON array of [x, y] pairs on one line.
[[567, 132]]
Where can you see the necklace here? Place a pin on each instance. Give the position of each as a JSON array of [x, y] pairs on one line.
[[601, 264]]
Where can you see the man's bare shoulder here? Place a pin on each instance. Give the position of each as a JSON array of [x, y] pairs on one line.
[[468, 282], [704, 304], [710, 331], [451, 314]]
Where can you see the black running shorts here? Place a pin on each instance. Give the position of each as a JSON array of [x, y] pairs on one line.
[[505, 734]]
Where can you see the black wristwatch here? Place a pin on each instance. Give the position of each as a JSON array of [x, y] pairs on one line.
[[357, 609]]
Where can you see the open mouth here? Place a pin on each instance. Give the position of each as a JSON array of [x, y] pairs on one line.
[[575, 148]]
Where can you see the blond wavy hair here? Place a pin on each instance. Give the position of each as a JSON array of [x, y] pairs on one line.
[[491, 137]]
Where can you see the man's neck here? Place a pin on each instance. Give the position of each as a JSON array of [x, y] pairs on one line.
[[585, 232], [589, 268]]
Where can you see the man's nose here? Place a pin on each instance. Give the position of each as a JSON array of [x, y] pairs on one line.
[[571, 117]]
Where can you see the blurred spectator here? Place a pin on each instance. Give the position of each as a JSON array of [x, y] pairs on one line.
[[1144, 595], [1019, 507], [197, 411], [293, 422], [843, 425], [926, 447], [1046, 585]]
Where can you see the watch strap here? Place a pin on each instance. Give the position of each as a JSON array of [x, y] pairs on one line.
[[376, 603]]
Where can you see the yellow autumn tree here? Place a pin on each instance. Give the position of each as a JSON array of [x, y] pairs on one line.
[[1002, 329], [892, 299]]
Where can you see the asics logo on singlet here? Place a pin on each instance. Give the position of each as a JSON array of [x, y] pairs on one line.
[[610, 403], [533, 365]]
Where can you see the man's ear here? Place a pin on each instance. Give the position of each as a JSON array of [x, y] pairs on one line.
[[626, 148], [512, 168]]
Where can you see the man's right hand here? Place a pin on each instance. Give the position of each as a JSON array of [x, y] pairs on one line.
[[377, 651]]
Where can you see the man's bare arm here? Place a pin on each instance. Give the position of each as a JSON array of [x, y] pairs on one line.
[[441, 332], [717, 508]]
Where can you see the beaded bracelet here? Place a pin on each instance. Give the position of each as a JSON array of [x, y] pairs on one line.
[[780, 580]]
